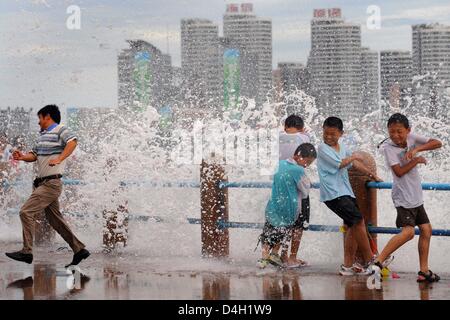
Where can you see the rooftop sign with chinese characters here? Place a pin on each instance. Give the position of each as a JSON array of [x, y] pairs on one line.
[[327, 13]]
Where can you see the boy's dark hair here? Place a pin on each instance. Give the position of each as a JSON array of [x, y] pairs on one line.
[[398, 118], [334, 122], [306, 150], [294, 121], [51, 110]]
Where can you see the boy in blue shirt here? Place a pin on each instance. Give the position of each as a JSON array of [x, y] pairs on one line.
[[333, 161], [400, 151], [294, 135], [284, 205]]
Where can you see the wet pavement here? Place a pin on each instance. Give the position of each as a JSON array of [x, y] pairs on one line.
[[131, 276]]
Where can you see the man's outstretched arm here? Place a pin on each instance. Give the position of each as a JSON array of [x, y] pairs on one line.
[[28, 157], [70, 147]]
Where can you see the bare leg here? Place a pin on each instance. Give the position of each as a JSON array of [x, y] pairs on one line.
[[284, 253], [276, 248], [265, 251], [424, 246], [396, 242], [295, 245], [350, 247], [359, 232]]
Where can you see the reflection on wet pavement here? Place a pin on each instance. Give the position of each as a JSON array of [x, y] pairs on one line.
[[356, 289], [42, 284], [26, 285], [284, 287], [216, 287], [116, 284], [112, 280]]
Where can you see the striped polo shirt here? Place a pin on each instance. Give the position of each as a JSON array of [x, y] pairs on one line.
[[49, 146]]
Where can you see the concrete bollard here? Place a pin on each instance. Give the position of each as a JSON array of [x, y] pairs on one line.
[[366, 198], [115, 218], [115, 229], [214, 208]]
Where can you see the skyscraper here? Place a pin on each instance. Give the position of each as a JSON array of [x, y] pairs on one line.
[[370, 80], [15, 123], [334, 64], [396, 78], [277, 84], [253, 36], [287, 78], [200, 61], [293, 75], [431, 61], [144, 76], [431, 52]]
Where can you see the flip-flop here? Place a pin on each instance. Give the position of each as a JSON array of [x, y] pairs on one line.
[[300, 264], [305, 264], [276, 263], [294, 266]]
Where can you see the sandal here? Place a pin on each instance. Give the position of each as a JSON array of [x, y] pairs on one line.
[[297, 264], [303, 263], [429, 277], [262, 263]]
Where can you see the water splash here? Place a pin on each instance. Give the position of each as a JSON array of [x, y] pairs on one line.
[[124, 145]]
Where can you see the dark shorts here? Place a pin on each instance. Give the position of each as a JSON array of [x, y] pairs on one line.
[[346, 208], [411, 217], [275, 235], [302, 221]]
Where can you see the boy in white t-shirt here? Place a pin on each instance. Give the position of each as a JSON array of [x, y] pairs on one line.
[[400, 152], [294, 135]]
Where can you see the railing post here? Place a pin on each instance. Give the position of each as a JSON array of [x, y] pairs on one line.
[[214, 208], [366, 198]]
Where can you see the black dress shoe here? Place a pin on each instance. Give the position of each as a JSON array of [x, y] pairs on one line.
[[77, 257], [20, 256]]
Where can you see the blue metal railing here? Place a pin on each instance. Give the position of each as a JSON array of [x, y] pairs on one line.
[[154, 184], [252, 225], [257, 185], [248, 184], [328, 228], [315, 185], [425, 186]]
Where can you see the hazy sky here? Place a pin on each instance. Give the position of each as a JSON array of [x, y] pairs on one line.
[[41, 61]]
